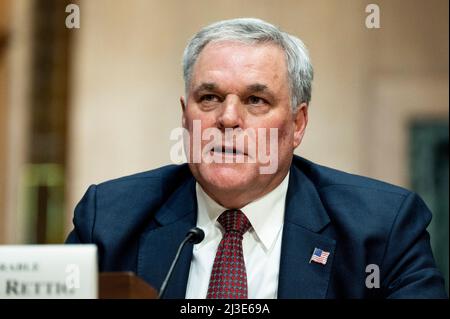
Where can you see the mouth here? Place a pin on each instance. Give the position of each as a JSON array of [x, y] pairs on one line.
[[227, 151]]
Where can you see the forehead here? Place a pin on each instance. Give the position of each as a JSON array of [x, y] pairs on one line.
[[233, 64]]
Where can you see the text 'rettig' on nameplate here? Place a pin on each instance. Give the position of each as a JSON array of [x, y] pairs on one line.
[[48, 272]]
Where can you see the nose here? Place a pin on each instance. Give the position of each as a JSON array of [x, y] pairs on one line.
[[230, 115]]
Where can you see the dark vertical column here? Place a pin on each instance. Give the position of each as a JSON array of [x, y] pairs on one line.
[[429, 169], [44, 181]]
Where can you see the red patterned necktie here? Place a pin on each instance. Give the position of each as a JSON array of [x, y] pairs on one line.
[[228, 276]]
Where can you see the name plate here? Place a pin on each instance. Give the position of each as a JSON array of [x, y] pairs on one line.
[[48, 272]]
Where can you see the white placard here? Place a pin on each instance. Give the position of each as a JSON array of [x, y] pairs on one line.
[[48, 271]]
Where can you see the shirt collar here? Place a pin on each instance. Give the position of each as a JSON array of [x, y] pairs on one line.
[[266, 214]]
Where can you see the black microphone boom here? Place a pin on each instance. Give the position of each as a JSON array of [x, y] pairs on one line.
[[194, 236]]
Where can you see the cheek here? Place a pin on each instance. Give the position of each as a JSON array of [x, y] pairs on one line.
[[286, 134], [194, 117], [285, 143], [279, 145], [196, 123]]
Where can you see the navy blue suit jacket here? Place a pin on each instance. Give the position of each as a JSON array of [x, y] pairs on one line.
[[138, 222]]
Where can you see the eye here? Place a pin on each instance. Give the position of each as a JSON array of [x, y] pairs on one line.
[[256, 100], [209, 98]]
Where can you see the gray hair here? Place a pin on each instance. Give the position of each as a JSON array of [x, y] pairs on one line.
[[251, 31]]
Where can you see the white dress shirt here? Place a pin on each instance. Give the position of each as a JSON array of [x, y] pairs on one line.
[[261, 244]]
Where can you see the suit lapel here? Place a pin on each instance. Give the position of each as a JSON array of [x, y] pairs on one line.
[[159, 244], [305, 217]]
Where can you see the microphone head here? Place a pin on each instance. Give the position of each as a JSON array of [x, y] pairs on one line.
[[196, 234]]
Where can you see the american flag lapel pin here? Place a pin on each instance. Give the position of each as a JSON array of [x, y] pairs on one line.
[[319, 256]]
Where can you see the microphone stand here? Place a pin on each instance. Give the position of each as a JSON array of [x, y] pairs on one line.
[[195, 235]]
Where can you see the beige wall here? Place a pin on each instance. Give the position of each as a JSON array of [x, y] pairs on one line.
[[408, 80], [368, 83]]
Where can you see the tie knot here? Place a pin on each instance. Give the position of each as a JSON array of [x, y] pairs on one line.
[[234, 220]]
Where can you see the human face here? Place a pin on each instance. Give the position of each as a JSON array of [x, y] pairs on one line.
[[240, 86]]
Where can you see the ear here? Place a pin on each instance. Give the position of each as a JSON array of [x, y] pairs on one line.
[[183, 109], [300, 122]]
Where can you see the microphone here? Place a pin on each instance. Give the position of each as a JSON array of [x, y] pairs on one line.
[[194, 236]]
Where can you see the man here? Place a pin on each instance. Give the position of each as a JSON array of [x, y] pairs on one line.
[[297, 230]]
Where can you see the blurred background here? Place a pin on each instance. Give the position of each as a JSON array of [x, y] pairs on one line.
[[84, 105]]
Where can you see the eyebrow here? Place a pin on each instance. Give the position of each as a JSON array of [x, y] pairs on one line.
[[261, 88], [257, 87], [253, 88], [208, 86]]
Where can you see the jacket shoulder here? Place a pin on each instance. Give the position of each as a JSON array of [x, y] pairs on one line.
[[377, 223], [357, 204], [112, 214], [167, 174], [327, 178], [140, 193]]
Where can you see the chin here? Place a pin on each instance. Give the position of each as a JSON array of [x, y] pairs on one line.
[[227, 176]]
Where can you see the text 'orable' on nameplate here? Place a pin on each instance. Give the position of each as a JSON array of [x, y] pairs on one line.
[[48, 271]]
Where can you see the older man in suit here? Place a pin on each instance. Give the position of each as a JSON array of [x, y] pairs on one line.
[[297, 230]]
